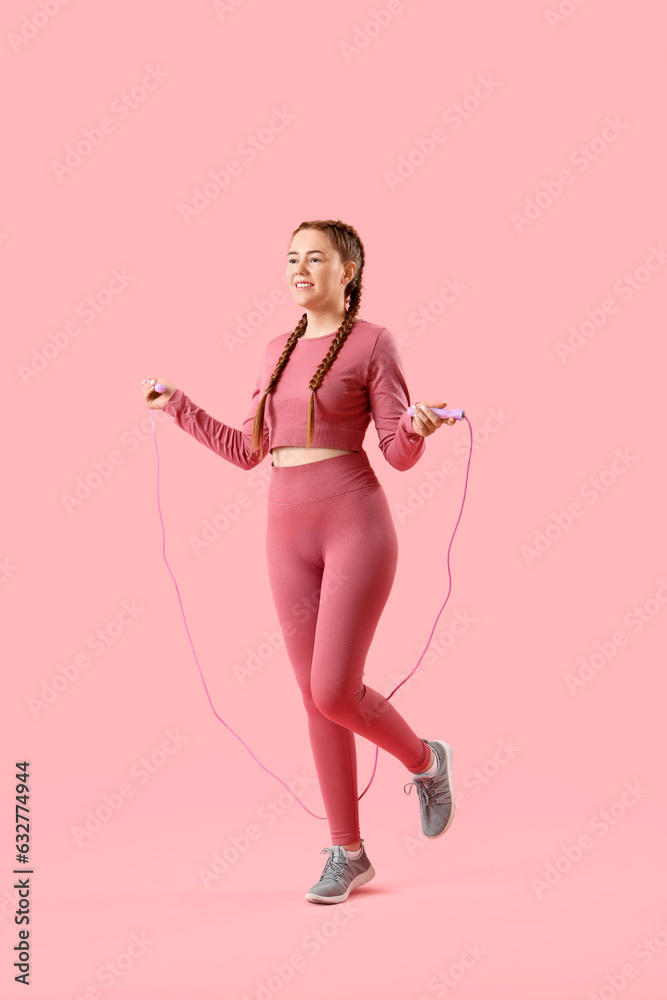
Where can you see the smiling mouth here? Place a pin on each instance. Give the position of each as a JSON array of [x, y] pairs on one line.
[[303, 285]]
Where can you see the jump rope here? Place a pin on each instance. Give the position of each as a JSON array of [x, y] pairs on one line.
[[444, 414]]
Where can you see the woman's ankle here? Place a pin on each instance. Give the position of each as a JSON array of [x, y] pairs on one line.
[[430, 764]]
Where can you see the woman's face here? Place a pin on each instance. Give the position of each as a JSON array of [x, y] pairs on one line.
[[313, 260]]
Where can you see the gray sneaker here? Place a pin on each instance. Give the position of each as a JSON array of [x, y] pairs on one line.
[[436, 799], [340, 876]]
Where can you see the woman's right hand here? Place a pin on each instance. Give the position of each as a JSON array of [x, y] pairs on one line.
[[155, 400]]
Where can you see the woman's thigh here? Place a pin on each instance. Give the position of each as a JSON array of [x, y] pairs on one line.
[[360, 557], [295, 578]]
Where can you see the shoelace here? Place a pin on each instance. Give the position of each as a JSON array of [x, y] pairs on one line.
[[430, 790], [335, 868]]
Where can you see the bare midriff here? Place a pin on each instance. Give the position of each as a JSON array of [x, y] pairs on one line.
[[288, 455]]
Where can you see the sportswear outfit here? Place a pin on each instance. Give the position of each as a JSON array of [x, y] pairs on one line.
[[330, 540]]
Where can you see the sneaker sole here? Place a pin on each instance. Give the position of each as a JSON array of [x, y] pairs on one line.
[[366, 876], [448, 757]]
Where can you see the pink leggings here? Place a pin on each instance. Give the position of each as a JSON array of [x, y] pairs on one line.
[[332, 552]]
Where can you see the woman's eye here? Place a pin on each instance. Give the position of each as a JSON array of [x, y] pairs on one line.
[[292, 260]]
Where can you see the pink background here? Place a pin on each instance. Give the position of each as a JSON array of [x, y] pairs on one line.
[[506, 905]]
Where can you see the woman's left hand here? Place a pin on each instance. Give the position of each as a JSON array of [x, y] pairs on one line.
[[425, 421]]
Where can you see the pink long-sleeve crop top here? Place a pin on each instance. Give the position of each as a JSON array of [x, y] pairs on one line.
[[366, 378]]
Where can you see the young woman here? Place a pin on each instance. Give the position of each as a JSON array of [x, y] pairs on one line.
[[330, 535]]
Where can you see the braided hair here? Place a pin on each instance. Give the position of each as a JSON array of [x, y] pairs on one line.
[[346, 241]]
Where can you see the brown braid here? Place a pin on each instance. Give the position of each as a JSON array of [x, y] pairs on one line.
[[346, 241]]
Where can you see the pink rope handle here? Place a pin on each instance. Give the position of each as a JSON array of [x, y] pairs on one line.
[[178, 593]]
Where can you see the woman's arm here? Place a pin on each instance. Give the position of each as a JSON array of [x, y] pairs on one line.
[[234, 445], [389, 401]]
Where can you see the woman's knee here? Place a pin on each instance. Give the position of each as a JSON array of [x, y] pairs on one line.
[[308, 700], [336, 701]]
